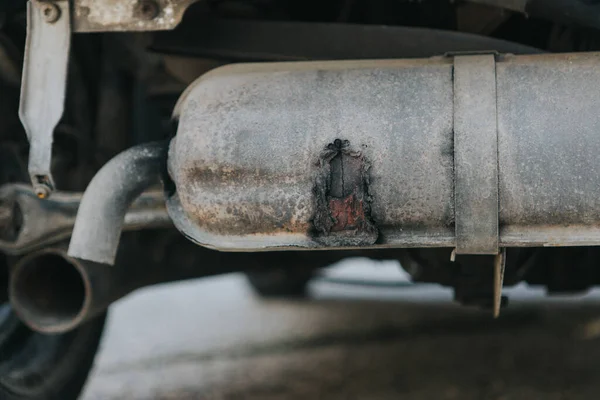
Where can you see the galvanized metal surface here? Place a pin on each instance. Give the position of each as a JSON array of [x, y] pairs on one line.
[[127, 15], [246, 156], [43, 84], [475, 155], [105, 202], [548, 146], [28, 223]]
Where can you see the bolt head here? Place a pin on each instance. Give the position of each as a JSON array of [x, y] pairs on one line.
[[147, 9], [42, 191], [51, 12]]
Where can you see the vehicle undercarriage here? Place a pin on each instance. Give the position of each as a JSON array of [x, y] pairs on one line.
[[150, 141]]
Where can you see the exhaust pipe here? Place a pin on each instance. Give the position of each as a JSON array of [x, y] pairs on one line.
[[109, 195], [54, 293]]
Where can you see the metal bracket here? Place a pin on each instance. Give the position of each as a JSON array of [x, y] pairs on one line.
[[127, 15], [499, 267], [43, 84], [475, 155], [45, 66]]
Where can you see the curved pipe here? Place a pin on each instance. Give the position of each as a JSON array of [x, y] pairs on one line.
[[99, 222]]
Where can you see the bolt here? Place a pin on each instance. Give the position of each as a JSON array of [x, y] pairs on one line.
[[42, 191], [42, 186], [51, 12], [147, 9]]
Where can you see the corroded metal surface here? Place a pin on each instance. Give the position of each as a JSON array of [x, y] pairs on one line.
[[251, 137], [248, 151], [343, 202], [128, 15]]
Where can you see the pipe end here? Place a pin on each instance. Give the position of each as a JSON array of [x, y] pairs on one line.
[[49, 291]]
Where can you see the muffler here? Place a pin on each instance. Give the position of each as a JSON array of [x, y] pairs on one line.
[[469, 151]]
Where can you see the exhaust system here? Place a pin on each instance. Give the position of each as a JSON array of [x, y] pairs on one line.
[[472, 152]]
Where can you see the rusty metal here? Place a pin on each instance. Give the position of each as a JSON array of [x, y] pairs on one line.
[[51, 12], [343, 203], [28, 223], [475, 155], [127, 15], [43, 84], [248, 150], [147, 9]]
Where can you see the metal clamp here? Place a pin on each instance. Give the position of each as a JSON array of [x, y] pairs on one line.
[[475, 155]]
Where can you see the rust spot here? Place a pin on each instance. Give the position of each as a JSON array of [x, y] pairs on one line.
[[343, 202], [348, 213]]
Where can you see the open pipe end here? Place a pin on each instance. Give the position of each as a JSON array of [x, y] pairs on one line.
[[50, 291]]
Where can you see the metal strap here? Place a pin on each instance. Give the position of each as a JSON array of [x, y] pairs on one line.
[[475, 155], [43, 86]]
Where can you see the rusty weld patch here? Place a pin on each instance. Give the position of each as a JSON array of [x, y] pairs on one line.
[[343, 202]]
